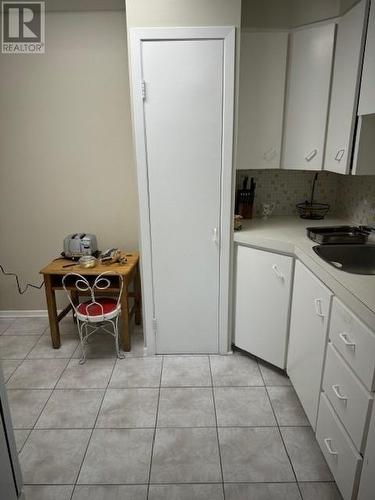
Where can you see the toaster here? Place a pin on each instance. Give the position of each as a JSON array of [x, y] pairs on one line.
[[78, 244]]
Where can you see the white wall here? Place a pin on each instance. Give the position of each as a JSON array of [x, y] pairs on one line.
[[270, 14], [310, 11], [183, 12], [282, 14], [66, 155]]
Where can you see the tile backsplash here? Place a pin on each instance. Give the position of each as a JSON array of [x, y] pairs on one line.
[[356, 198], [348, 196]]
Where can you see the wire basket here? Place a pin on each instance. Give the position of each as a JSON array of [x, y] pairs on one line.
[[313, 211]]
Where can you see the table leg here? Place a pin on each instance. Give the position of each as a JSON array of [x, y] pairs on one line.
[[137, 297], [125, 330], [52, 312], [75, 299]]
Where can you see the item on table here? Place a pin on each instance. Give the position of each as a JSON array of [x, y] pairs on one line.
[[87, 261]]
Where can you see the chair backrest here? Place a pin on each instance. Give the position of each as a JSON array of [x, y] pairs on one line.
[[100, 284]]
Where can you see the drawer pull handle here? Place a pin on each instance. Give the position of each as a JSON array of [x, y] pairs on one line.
[[270, 154], [336, 390], [328, 443], [311, 155], [347, 341], [339, 155], [318, 308], [278, 273]]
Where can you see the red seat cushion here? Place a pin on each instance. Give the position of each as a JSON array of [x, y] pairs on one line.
[[109, 305]]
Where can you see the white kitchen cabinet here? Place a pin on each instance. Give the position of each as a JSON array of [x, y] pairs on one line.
[[364, 154], [367, 93], [354, 341], [367, 482], [311, 305], [341, 456], [262, 90], [263, 289], [345, 88], [310, 68], [351, 401]]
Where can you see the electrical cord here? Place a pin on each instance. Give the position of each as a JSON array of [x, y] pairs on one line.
[[20, 290]]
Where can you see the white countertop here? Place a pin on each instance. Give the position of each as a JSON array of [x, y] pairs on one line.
[[288, 235]]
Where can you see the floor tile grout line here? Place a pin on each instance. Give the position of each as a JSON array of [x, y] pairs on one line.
[[52, 388], [290, 460], [155, 428], [27, 437], [11, 322], [49, 397], [281, 436], [93, 428], [28, 352], [152, 427], [162, 427], [44, 406], [174, 483], [217, 429], [6, 380]]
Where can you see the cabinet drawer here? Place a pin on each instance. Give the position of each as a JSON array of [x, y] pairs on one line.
[[347, 395], [311, 306], [342, 458], [354, 341]]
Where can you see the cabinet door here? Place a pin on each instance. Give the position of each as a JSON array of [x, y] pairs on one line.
[[338, 450], [262, 90], [367, 483], [345, 84], [363, 157], [311, 52], [367, 95], [263, 287], [311, 304]]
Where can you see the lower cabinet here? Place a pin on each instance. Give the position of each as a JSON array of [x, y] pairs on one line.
[[367, 485], [346, 404], [341, 455], [311, 305], [330, 359], [349, 398], [263, 289]]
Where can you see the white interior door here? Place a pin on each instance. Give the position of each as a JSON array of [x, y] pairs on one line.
[[183, 116]]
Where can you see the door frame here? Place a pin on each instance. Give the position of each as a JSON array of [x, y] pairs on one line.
[[136, 37]]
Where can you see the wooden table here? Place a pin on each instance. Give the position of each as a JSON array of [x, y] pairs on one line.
[[54, 272]]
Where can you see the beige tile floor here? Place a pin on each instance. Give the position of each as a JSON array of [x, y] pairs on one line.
[[158, 428]]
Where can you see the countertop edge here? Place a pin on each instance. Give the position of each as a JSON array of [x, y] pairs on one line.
[[289, 247]]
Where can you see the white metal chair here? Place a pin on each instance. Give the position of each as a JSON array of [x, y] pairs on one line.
[[98, 311]]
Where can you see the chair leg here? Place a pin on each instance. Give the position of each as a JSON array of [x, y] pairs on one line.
[[80, 326], [120, 354]]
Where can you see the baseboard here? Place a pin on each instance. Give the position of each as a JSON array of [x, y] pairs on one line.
[[21, 313]]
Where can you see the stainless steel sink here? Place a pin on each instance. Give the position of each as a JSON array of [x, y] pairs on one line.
[[356, 259]]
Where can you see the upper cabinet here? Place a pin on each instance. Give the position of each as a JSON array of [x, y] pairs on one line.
[[364, 158], [307, 98], [262, 88], [367, 95], [309, 80], [345, 86]]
